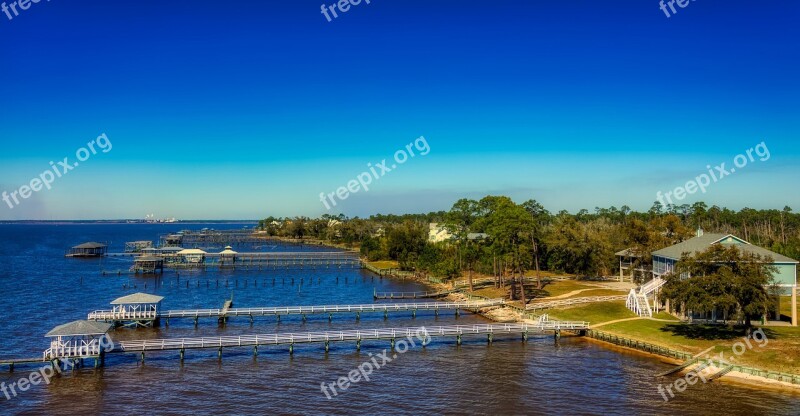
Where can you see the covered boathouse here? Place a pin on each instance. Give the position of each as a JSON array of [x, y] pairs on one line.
[[90, 249], [78, 340]]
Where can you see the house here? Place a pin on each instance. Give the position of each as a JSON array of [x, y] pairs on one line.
[[438, 233], [664, 262]]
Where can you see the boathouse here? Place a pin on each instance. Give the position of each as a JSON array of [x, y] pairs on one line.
[[138, 309], [78, 339], [192, 255], [90, 249], [148, 264], [664, 261], [137, 246], [227, 257]]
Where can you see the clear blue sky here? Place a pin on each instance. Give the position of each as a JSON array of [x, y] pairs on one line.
[[246, 109]]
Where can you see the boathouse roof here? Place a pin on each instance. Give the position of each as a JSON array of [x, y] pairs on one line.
[[191, 251], [79, 328], [228, 250], [90, 244], [137, 298]]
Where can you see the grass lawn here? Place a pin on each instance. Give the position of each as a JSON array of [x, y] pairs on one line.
[[560, 287], [594, 313], [491, 292], [781, 352], [597, 292], [384, 264]]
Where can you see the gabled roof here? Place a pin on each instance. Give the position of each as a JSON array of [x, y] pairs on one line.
[[703, 242], [90, 244], [137, 298], [79, 328]]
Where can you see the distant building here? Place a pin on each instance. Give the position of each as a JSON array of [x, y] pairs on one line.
[[438, 233], [90, 249]]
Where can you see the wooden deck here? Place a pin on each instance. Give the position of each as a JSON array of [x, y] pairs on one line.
[[326, 337], [110, 316]]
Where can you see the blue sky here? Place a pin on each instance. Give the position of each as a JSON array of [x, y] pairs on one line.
[[253, 108]]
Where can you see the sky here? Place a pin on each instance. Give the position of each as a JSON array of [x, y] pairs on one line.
[[246, 109]]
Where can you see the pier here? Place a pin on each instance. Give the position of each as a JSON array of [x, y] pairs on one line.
[[122, 317], [228, 259], [357, 336]]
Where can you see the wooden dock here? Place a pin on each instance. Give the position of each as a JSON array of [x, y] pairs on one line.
[[357, 336], [111, 316], [411, 295], [572, 301]]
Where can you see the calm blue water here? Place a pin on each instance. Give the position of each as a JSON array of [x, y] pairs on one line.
[[43, 289]]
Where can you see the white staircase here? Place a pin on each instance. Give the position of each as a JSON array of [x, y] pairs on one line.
[[638, 300]]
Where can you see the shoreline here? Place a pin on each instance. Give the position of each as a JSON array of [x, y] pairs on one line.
[[506, 314]]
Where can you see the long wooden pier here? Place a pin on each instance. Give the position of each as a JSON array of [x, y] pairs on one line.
[[112, 316], [411, 295], [326, 337], [573, 301]]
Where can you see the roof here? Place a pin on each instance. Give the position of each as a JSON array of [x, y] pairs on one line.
[[79, 328], [701, 243], [228, 251], [477, 236], [91, 244], [627, 253], [191, 251], [176, 249], [137, 298]]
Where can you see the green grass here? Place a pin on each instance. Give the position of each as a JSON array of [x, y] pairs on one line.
[[558, 287], [384, 264], [597, 292], [594, 313]]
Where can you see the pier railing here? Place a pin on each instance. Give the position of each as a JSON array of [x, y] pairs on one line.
[[353, 335], [293, 310], [573, 301]]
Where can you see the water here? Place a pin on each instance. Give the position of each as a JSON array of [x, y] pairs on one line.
[[43, 289]]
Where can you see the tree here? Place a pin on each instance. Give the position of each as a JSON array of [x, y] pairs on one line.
[[722, 278]]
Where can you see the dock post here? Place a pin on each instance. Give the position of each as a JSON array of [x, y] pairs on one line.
[[458, 339], [255, 350], [456, 312], [195, 321], [358, 316], [11, 368], [304, 318], [166, 322], [251, 319], [524, 336], [330, 317], [489, 338], [385, 314], [358, 344], [557, 334], [392, 343], [219, 353], [413, 313], [142, 357], [327, 346], [182, 350], [279, 317], [436, 313], [291, 348]]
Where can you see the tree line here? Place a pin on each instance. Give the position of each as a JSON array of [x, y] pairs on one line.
[[526, 236]]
